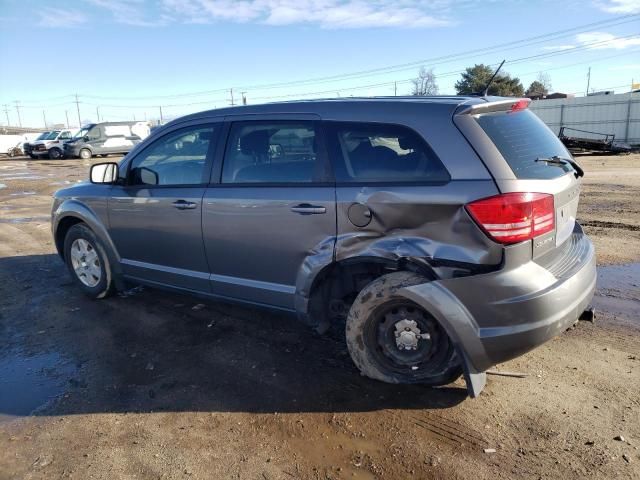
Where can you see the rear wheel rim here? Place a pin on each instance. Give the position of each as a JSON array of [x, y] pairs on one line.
[[407, 340], [85, 262], [85, 154]]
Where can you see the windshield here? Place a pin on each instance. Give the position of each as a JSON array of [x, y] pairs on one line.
[[81, 133], [521, 137], [43, 135], [52, 135]]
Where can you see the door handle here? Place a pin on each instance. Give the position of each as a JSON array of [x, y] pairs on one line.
[[184, 205], [308, 209]]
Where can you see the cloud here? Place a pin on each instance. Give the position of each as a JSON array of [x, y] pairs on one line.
[[619, 6], [324, 13], [558, 47], [603, 40], [128, 12], [57, 18]]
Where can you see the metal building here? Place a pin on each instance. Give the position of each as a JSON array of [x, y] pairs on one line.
[[605, 114]]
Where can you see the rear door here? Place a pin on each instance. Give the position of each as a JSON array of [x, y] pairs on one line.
[[270, 209], [524, 155], [155, 216]]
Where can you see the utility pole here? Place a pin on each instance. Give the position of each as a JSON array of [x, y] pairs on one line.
[[17, 102], [44, 116], [78, 109], [6, 112], [161, 119], [231, 91], [66, 114], [395, 89], [588, 80], [244, 98], [98, 113]]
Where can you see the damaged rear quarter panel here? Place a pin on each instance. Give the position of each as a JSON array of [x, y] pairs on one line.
[[416, 221]]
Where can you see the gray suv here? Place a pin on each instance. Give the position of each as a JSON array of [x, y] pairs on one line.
[[440, 231]]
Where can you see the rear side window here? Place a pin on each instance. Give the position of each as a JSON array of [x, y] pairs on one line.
[[521, 137], [378, 153], [271, 152]]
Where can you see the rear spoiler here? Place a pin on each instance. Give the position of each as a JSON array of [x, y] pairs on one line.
[[511, 104]]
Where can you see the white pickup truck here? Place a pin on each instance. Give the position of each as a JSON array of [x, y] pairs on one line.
[[52, 145]]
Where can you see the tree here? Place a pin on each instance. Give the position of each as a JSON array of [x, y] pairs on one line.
[[536, 89], [425, 83], [475, 79], [540, 86]]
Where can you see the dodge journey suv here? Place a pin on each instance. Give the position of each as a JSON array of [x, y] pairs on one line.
[[440, 231]]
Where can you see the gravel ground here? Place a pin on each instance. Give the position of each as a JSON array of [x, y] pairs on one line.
[[157, 385]]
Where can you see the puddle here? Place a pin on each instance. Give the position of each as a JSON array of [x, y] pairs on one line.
[[29, 382], [22, 193], [2, 185], [618, 292]]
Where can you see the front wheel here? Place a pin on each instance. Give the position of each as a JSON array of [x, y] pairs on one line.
[[55, 154], [87, 261], [85, 154], [395, 340]]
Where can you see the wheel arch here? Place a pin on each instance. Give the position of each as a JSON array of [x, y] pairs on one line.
[[326, 285], [72, 212]]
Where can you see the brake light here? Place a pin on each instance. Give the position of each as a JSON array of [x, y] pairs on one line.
[[521, 104], [514, 217]]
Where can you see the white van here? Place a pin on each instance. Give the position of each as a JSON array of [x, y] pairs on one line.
[[52, 145]]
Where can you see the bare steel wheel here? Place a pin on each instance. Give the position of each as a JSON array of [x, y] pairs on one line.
[[394, 340], [86, 262]]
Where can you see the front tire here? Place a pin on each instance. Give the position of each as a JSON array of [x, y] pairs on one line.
[[88, 262], [394, 340], [85, 154], [55, 154]]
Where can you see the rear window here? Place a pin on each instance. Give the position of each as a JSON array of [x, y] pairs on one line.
[[521, 137]]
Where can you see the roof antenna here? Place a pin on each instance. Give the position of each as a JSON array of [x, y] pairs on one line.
[[486, 89]]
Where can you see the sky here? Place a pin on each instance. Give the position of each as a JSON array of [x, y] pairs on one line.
[[127, 58]]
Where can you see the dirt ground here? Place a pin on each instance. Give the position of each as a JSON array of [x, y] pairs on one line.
[[156, 385]]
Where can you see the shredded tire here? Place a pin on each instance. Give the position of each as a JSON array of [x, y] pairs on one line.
[[363, 316]]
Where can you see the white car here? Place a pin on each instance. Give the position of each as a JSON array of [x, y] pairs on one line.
[[52, 145]]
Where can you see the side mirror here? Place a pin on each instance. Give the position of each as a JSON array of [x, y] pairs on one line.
[[104, 173], [85, 138]]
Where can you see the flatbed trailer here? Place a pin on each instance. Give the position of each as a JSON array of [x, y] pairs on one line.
[[606, 144]]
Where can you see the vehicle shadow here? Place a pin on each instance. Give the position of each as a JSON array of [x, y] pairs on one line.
[[156, 351]]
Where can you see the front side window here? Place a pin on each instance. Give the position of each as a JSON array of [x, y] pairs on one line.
[[178, 158], [65, 136], [94, 133], [265, 152], [382, 153]]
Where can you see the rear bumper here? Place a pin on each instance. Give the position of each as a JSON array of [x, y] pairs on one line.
[[501, 315]]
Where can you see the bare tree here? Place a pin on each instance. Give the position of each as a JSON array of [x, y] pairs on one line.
[[425, 83], [545, 80]]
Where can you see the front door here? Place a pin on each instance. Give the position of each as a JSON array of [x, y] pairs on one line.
[[272, 213], [155, 217]]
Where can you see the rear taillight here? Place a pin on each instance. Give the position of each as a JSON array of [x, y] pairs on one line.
[[514, 217]]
